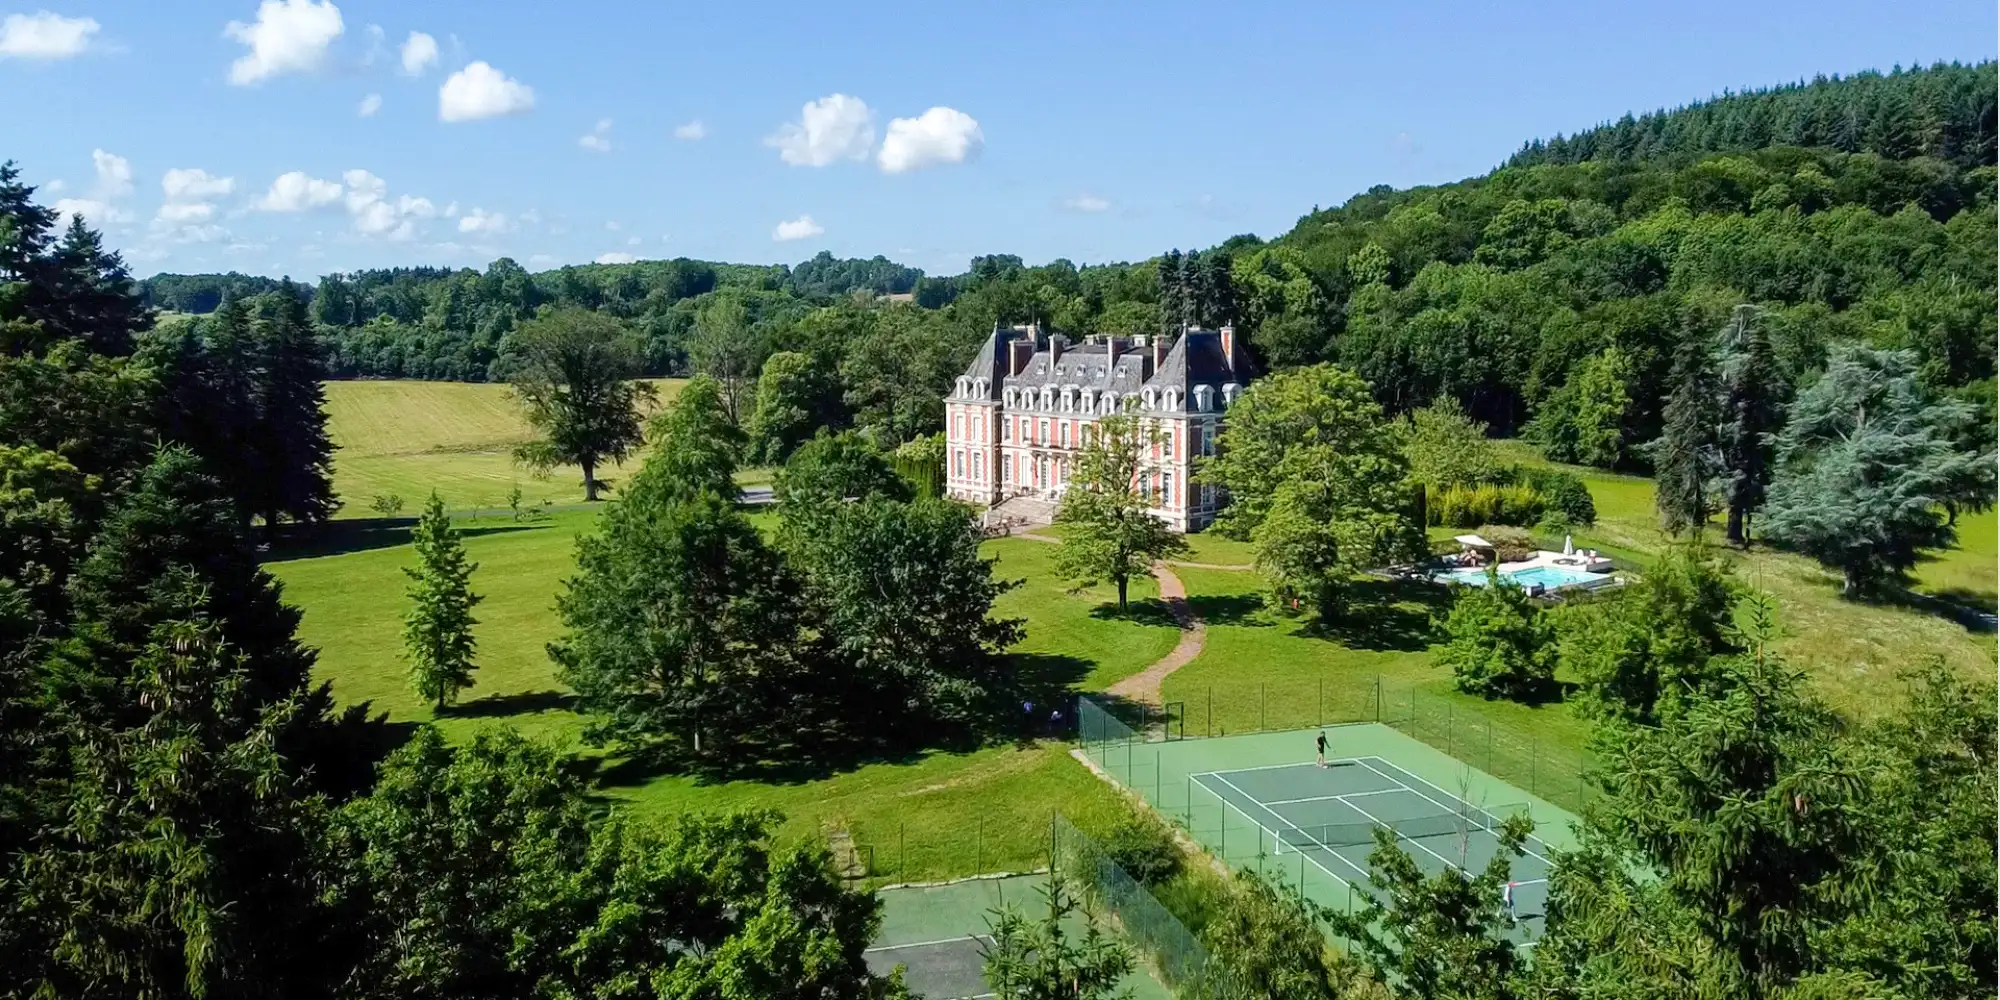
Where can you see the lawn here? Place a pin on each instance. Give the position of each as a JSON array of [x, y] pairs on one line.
[[1262, 671], [406, 438], [1852, 650], [933, 816]]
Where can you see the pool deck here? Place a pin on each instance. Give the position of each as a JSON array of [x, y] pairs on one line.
[[1599, 568]]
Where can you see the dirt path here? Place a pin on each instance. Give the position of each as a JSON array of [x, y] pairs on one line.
[[1144, 686]]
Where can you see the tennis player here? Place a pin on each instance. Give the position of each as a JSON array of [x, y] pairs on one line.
[[1507, 899], [1322, 749]]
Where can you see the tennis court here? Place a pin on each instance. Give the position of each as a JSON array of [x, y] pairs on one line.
[[939, 933], [1261, 801], [1328, 817]]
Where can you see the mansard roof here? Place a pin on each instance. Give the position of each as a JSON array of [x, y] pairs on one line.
[[1088, 365], [1199, 358]]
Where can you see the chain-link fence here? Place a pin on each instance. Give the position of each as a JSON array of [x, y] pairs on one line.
[[1176, 956], [1459, 726]]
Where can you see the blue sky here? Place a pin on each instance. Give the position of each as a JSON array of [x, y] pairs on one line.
[[1095, 130]]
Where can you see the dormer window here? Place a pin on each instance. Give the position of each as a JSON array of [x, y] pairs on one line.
[[1110, 402], [1151, 397], [1204, 397], [1229, 391], [1048, 398], [964, 386]]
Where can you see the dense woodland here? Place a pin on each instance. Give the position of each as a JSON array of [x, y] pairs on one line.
[[1800, 334]]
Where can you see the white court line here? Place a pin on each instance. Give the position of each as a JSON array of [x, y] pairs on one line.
[[1414, 790], [1280, 767], [925, 944], [1295, 826], [1417, 843], [1343, 795]]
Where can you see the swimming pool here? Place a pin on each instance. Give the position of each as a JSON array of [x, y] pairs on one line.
[[1550, 577]]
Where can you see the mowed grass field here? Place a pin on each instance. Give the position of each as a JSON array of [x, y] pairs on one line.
[[406, 438], [1852, 650], [937, 815]]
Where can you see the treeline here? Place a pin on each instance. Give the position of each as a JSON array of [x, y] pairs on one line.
[[182, 811], [1944, 112]]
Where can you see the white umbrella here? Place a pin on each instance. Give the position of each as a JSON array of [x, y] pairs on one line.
[[1569, 547]]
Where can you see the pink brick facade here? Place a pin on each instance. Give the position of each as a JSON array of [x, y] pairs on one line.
[[1017, 418]]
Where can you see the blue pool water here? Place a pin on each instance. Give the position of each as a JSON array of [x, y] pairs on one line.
[[1550, 577]]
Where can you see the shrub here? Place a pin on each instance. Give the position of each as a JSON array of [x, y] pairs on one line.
[[1468, 506], [1564, 492], [388, 505], [1497, 645], [1145, 849]]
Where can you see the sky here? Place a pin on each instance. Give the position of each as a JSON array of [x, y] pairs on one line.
[[301, 137]]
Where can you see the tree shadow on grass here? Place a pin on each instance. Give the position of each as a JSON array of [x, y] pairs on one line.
[[366, 533], [1386, 616], [826, 747], [1230, 609], [1151, 612], [518, 703], [1972, 610]]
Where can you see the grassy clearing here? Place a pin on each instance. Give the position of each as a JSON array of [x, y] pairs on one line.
[[932, 816], [1853, 651], [407, 438]]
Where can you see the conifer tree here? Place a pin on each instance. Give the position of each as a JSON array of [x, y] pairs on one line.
[[291, 431], [1750, 414], [1686, 461], [437, 632]]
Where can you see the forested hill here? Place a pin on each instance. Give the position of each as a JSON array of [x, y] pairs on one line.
[[1944, 112], [1595, 255]]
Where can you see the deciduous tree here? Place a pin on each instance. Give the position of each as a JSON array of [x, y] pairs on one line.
[[574, 376], [1497, 644], [1113, 534]]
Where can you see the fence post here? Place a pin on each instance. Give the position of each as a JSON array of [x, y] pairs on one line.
[[1447, 729], [1378, 698], [1321, 706], [1489, 746], [1190, 804], [979, 851], [902, 854], [1260, 705], [1156, 780], [1211, 710], [1534, 763]]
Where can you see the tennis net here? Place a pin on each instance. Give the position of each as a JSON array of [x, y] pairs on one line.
[[1351, 834]]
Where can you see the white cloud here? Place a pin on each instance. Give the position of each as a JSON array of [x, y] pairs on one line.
[[376, 48], [451, 210], [531, 217], [633, 241], [182, 184], [1086, 203], [95, 211], [191, 211], [801, 228], [114, 174], [419, 207], [43, 35], [480, 220], [363, 189], [53, 187], [379, 218], [832, 128], [691, 131], [612, 226], [940, 135], [369, 105], [419, 51], [289, 36], [480, 91], [295, 192], [597, 140], [615, 257]]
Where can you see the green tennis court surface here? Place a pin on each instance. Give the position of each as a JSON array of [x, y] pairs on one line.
[[1261, 801], [937, 934]]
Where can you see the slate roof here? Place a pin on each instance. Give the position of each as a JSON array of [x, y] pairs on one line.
[[1086, 366], [1197, 358]]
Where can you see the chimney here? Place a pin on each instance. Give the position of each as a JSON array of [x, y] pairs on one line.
[[1112, 342], [1160, 348], [1229, 345], [1056, 344], [1019, 350]]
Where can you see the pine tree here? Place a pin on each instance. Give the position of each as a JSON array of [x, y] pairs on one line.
[[96, 299], [291, 433], [1686, 461], [1173, 293], [1750, 414], [437, 632]]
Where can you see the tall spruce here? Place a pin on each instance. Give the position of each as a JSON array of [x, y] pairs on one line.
[[437, 632], [1751, 411], [297, 454], [1687, 462]]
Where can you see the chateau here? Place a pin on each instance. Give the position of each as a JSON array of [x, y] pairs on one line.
[[1027, 404]]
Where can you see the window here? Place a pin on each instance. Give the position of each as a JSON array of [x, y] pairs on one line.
[[1006, 430], [1064, 431], [958, 461], [1167, 488], [1208, 496], [1007, 470], [1044, 439], [958, 426], [1208, 439], [1167, 442]]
